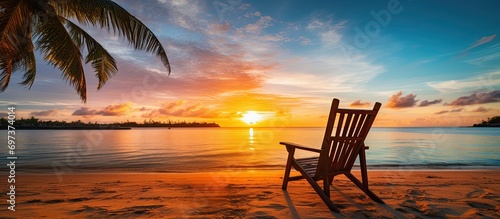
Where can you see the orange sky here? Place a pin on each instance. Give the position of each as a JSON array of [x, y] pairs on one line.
[[287, 62]]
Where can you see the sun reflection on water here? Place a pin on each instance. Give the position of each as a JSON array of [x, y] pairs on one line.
[[250, 138]]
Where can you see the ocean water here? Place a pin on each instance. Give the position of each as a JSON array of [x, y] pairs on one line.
[[221, 149]]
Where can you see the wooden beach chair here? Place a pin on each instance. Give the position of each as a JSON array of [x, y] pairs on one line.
[[344, 138]]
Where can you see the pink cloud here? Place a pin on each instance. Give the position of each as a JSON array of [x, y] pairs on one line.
[[449, 111], [358, 103], [483, 40], [51, 112], [182, 109], [481, 110], [477, 98], [200, 72], [85, 111], [117, 110], [428, 103], [398, 101], [111, 110]]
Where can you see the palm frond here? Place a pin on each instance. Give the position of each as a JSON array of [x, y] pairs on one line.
[[58, 48], [13, 23], [29, 64], [108, 14], [103, 63], [5, 75], [16, 47]]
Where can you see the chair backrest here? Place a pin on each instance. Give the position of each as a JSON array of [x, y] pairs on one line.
[[344, 138]]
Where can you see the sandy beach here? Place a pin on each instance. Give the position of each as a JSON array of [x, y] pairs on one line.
[[254, 194]]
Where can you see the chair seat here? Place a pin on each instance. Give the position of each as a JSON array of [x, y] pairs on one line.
[[309, 164]]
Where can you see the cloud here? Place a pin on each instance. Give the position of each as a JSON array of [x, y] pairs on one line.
[[183, 109], [327, 67], [201, 70], [328, 32], [117, 110], [483, 59], [85, 111], [483, 40], [477, 98], [449, 111], [397, 101], [210, 72], [186, 13], [218, 29], [481, 110], [326, 72], [358, 103], [428, 103], [488, 81], [52, 112], [257, 27], [304, 41], [4, 115], [227, 106], [111, 110]]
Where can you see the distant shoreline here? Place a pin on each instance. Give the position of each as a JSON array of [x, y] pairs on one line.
[[111, 127], [68, 127]]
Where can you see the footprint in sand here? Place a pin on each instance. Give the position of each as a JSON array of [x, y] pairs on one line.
[[480, 205], [264, 195], [34, 201], [309, 204], [99, 190], [411, 204], [261, 215], [144, 209], [424, 208], [54, 201], [415, 194], [277, 207], [81, 199], [94, 211], [476, 193]]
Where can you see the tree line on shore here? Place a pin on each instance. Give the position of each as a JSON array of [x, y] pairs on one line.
[[35, 122], [490, 122]]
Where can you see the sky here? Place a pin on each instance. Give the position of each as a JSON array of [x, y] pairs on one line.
[[430, 63]]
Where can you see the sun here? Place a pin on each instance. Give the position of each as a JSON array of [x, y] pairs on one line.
[[251, 117]]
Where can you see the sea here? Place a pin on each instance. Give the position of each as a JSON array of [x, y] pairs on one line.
[[237, 149]]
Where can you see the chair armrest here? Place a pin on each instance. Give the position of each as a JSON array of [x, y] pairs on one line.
[[288, 144], [366, 146]]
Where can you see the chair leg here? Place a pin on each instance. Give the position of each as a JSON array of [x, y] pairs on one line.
[[326, 177], [362, 187], [288, 168], [362, 165], [317, 188], [364, 176], [331, 179]]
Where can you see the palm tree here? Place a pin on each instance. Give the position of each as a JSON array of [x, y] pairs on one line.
[[48, 26]]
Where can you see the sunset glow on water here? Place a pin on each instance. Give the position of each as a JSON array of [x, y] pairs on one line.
[[232, 149]]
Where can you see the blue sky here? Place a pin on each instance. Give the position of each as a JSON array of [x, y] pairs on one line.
[[430, 63]]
